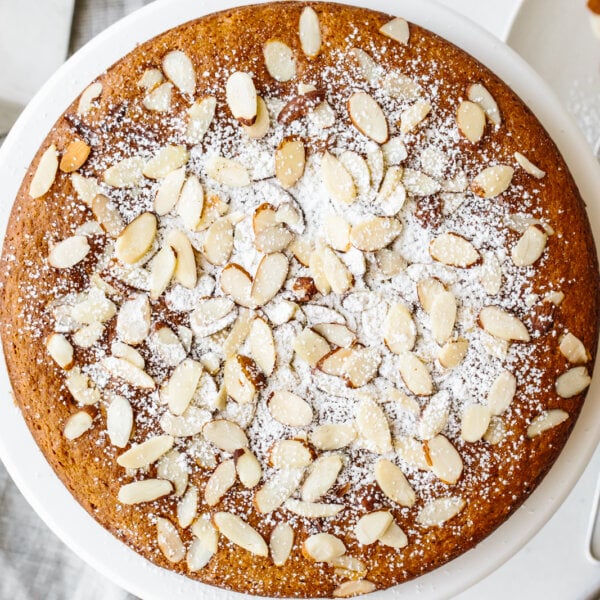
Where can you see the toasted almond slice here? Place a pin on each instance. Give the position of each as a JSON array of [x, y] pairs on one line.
[[133, 321], [373, 427], [162, 269], [572, 348], [107, 215], [168, 540], [392, 195], [200, 116], [376, 167], [545, 421], [218, 243], [45, 173], [415, 374], [323, 547], [356, 165], [150, 79], [374, 234], [368, 68], [529, 167], [86, 188], [443, 316], [237, 283], [492, 181], [81, 387], [159, 99], [501, 393], [475, 422], [95, 308], [300, 106], [286, 454], [336, 334], [322, 475], [503, 325], [60, 349], [337, 180], [136, 239], [390, 263], [169, 191], [278, 489], [332, 436], [394, 537], [204, 545], [427, 289], [393, 483], [178, 67], [220, 482], [290, 409], [88, 96], [185, 267], [530, 246], [187, 507], [453, 353], [273, 239], [470, 119], [317, 271], [312, 510], [310, 347], [323, 116], [495, 432], [262, 345], [227, 172], [74, 156], [446, 462], [280, 543], [412, 452], [413, 116], [128, 372], [339, 277], [399, 329], [290, 159], [179, 389], [68, 252], [334, 362], [396, 29], [491, 274], [337, 232], [237, 336], [573, 382], [191, 202], [310, 32], [237, 531], [165, 161], [188, 424], [453, 250], [480, 95], [77, 424], [270, 277], [418, 183], [225, 435], [146, 490], [260, 127], [435, 416], [173, 467], [356, 587], [212, 315], [146, 453], [436, 512], [248, 468], [279, 60], [119, 421], [242, 378], [372, 526], [361, 366], [241, 97], [265, 217], [126, 173], [290, 214], [398, 85], [366, 115]]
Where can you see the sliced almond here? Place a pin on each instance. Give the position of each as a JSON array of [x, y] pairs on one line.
[[290, 409], [261, 126], [337, 180], [237, 531], [368, 68], [491, 274], [339, 277], [290, 214], [503, 325], [60, 349], [475, 422], [453, 353], [495, 432], [436, 512], [119, 421], [126, 173], [372, 526], [394, 537], [453, 250], [373, 427], [220, 482], [309, 30], [128, 372], [321, 477], [74, 156], [392, 195], [178, 67], [398, 85], [334, 362], [501, 393], [310, 347], [212, 315], [443, 316], [69, 252], [107, 215], [225, 435], [397, 29], [572, 348], [357, 587], [94, 308], [88, 96], [265, 216], [530, 246], [393, 483], [169, 542], [290, 159], [150, 79], [146, 490], [168, 192], [375, 233], [179, 389], [400, 332], [434, 416], [241, 97], [248, 468], [529, 167], [200, 117], [445, 461], [479, 94], [368, 117], [159, 99], [337, 231], [133, 321], [162, 269], [427, 289], [411, 451], [86, 188], [390, 263], [356, 165], [237, 283], [77, 424], [227, 172], [280, 543], [185, 267], [415, 374], [81, 387], [323, 547], [204, 545], [242, 378], [273, 239], [286, 454], [187, 507], [361, 366], [470, 119], [279, 60], [191, 203], [317, 271], [136, 239], [218, 243], [300, 106], [146, 453], [418, 183], [545, 421], [165, 161], [269, 278], [278, 489], [45, 173], [413, 116], [376, 166], [237, 336], [336, 334], [573, 382], [492, 181], [332, 436], [262, 346]]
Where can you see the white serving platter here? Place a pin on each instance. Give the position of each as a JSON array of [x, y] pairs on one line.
[[43, 489]]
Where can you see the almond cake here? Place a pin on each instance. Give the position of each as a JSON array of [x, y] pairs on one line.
[[299, 300]]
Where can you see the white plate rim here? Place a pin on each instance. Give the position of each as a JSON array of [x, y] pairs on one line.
[[34, 476]]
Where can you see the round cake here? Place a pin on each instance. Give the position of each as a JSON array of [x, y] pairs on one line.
[[299, 300]]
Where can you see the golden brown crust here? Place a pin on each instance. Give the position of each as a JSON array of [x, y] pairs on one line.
[[513, 468]]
